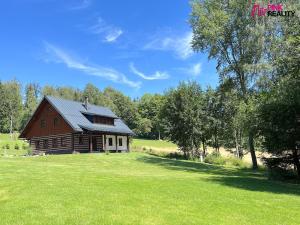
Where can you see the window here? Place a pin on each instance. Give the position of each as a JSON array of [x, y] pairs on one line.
[[37, 144], [120, 141], [63, 141], [110, 142], [45, 144], [43, 123], [54, 143], [80, 140], [103, 120], [55, 122]]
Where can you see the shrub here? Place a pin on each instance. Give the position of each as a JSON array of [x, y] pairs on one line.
[[175, 155], [236, 162], [29, 150], [216, 158], [277, 173], [24, 146], [7, 146], [17, 147], [279, 168]]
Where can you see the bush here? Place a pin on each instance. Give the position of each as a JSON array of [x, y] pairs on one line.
[[7, 146], [29, 150], [277, 173], [279, 168], [216, 158], [24, 146], [236, 162], [17, 147]]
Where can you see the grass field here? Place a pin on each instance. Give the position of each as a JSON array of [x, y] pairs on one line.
[[156, 144], [137, 188], [12, 146]]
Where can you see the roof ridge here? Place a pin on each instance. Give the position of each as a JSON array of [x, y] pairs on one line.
[[69, 100]]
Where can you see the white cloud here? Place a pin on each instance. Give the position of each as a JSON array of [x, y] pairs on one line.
[[59, 56], [193, 70], [108, 33], [156, 76], [81, 5], [181, 45]]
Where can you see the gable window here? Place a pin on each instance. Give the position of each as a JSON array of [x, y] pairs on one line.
[[63, 141], [120, 141], [45, 144], [55, 122], [80, 140], [37, 144], [43, 123], [110, 142], [54, 143]]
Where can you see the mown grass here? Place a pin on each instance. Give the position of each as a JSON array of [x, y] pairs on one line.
[[12, 145], [159, 145], [137, 188]]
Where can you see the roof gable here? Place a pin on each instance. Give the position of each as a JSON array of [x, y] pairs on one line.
[[72, 112]]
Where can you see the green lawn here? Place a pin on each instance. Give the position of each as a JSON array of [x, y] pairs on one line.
[[137, 188], [12, 145], [159, 144]]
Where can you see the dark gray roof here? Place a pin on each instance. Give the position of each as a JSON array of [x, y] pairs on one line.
[[73, 112]]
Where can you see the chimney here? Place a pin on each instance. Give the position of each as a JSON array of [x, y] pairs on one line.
[[86, 102]]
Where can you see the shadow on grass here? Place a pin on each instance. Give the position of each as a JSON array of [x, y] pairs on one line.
[[243, 178]]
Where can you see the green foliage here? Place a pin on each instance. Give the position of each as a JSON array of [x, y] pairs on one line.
[[182, 112], [216, 158], [31, 101], [17, 147], [280, 174], [149, 107], [10, 106], [125, 108], [143, 127]]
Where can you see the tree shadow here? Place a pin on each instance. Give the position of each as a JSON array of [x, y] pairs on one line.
[[242, 178]]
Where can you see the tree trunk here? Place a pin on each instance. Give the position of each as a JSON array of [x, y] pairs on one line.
[[159, 135], [204, 148], [252, 151], [296, 162], [241, 151], [10, 129], [236, 144]]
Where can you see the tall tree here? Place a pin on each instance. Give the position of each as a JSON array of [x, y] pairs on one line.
[[97, 97], [149, 107], [279, 111], [10, 106], [226, 30], [182, 111], [124, 106], [31, 101]]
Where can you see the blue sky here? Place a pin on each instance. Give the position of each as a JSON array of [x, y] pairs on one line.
[[134, 46]]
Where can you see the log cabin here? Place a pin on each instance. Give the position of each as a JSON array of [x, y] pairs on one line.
[[63, 126]]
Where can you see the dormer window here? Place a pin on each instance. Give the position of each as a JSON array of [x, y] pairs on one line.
[[99, 119], [103, 120]]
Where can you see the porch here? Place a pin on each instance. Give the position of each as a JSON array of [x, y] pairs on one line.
[[100, 142]]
